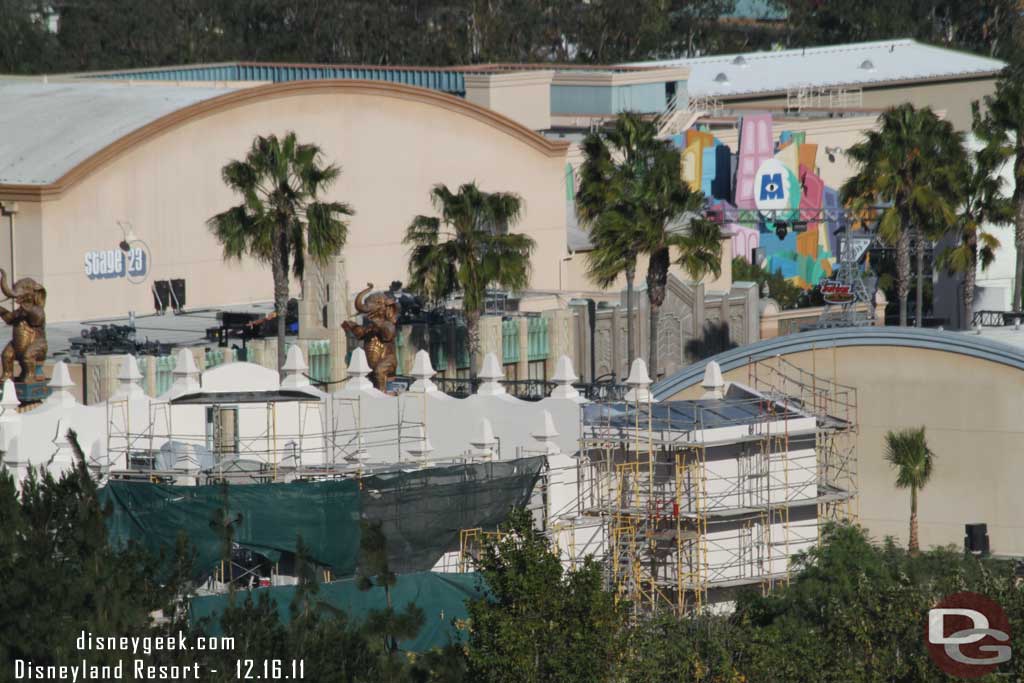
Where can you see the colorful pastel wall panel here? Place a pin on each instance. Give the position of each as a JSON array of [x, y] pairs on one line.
[[755, 147]]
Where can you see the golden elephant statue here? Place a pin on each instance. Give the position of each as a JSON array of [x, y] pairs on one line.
[[28, 338], [378, 333]]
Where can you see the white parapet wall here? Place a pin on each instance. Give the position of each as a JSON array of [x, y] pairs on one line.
[[356, 426]]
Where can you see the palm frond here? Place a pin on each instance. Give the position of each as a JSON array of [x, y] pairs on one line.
[[907, 451]]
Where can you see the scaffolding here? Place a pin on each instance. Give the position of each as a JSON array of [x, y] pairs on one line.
[[268, 437], [698, 498]]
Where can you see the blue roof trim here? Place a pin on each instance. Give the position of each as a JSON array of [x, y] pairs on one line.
[[933, 340], [452, 82]]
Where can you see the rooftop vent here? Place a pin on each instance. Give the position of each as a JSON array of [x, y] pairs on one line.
[[867, 65], [722, 78], [740, 61]]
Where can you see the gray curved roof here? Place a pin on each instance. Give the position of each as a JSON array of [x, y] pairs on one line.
[[49, 128], [933, 340]]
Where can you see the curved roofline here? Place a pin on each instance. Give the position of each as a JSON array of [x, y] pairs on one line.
[[238, 98], [908, 337]]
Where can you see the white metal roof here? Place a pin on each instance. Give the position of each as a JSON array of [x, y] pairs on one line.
[[854, 64], [46, 129]]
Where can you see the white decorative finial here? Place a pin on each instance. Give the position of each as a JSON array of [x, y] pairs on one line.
[[60, 385], [713, 382], [484, 441], [185, 372], [10, 397], [128, 378], [546, 436], [294, 369], [564, 377], [185, 364], [422, 370], [490, 377], [421, 446], [358, 368], [639, 382]]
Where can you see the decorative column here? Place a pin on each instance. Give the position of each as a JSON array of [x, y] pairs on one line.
[[490, 334]]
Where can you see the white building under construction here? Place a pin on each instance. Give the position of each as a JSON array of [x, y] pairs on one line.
[[683, 501]]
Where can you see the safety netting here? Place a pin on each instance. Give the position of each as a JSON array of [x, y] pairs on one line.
[[265, 518], [441, 596], [421, 513]]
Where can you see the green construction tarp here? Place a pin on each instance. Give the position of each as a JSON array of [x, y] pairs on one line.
[[442, 597], [270, 516], [421, 513]]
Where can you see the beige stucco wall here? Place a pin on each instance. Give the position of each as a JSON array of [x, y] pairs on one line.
[[392, 150], [972, 411], [952, 97], [522, 96], [839, 132], [574, 273]]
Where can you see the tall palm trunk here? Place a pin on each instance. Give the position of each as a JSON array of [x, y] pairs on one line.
[[657, 278], [919, 294], [970, 279], [473, 339], [903, 273], [1018, 242], [913, 545], [279, 268], [1018, 233], [630, 331]]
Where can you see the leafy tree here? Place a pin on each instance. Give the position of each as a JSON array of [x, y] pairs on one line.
[[984, 204], [782, 290], [60, 575], [910, 164], [1002, 127], [468, 249], [985, 26], [374, 572], [540, 621], [907, 451], [281, 218]]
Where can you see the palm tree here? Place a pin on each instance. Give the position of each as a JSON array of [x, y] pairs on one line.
[[614, 165], [674, 230], [907, 451], [468, 249], [909, 164], [280, 219], [983, 204], [634, 201], [1004, 121]]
